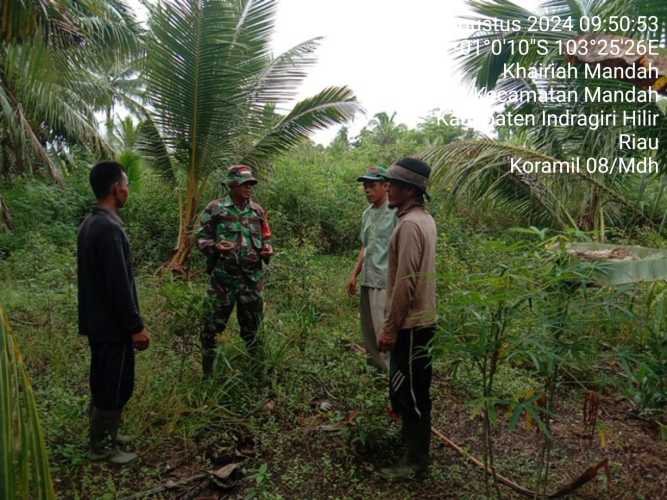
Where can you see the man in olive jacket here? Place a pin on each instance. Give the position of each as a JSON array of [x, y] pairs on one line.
[[108, 311], [410, 314]]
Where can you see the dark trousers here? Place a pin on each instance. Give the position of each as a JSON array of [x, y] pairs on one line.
[[111, 374], [410, 374]]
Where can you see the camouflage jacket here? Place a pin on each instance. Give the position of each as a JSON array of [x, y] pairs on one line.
[[222, 221]]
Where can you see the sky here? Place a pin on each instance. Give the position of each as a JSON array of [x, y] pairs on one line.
[[395, 56]]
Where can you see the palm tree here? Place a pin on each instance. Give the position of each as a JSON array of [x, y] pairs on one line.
[[49, 74], [438, 129], [121, 84], [124, 134], [481, 168], [342, 140], [209, 77], [384, 129]]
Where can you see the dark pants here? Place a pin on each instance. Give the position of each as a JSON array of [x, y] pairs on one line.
[[111, 374], [410, 374]]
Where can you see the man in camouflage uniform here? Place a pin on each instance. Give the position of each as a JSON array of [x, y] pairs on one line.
[[235, 237]]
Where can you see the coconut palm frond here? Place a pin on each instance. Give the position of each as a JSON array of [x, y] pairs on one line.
[[332, 106], [24, 461], [282, 76], [484, 65], [22, 133], [48, 72], [481, 169], [44, 91], [21, 21], [109, 29], [195, 73], [152, 147]]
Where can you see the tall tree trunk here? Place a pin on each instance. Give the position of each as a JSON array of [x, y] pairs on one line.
[[6, 222], [589, 219], [188, 216]]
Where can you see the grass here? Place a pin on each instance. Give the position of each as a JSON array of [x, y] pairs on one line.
[[170, 403]]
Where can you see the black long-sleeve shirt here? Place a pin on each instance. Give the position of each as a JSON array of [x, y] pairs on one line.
[[108, 304]]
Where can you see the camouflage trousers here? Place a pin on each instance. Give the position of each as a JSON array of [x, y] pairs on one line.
[[220, 303]]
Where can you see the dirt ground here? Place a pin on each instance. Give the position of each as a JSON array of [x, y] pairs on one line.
[[306, 456]]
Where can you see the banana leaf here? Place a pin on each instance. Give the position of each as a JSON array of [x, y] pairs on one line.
[[615, 265]]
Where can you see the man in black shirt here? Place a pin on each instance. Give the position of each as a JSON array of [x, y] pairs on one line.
[[108, 311]]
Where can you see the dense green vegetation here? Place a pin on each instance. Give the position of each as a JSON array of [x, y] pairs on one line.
[[538, 372]]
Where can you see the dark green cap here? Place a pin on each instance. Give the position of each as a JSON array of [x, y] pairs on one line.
[[374, 174]]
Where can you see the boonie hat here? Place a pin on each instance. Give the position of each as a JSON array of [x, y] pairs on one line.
[[410, 171]]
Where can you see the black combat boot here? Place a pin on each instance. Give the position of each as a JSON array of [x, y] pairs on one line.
[[208, 351], [255, 349], [207, 362], [415, 462]]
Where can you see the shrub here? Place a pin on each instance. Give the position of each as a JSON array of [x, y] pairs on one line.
[[44, 208], [151, 220], [315, 198]]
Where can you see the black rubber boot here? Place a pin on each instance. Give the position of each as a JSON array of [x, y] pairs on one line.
[[420, 447], [101, 440], [103, 437], [118, 456], [415, 462], [121, 439]]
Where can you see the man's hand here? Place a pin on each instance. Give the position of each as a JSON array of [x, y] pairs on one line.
[[141, 340], [225, 247], [352, 285], [266, 252], [387, 342]]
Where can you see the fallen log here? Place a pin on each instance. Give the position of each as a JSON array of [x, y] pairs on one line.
[[588, 475], [507, 482]]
